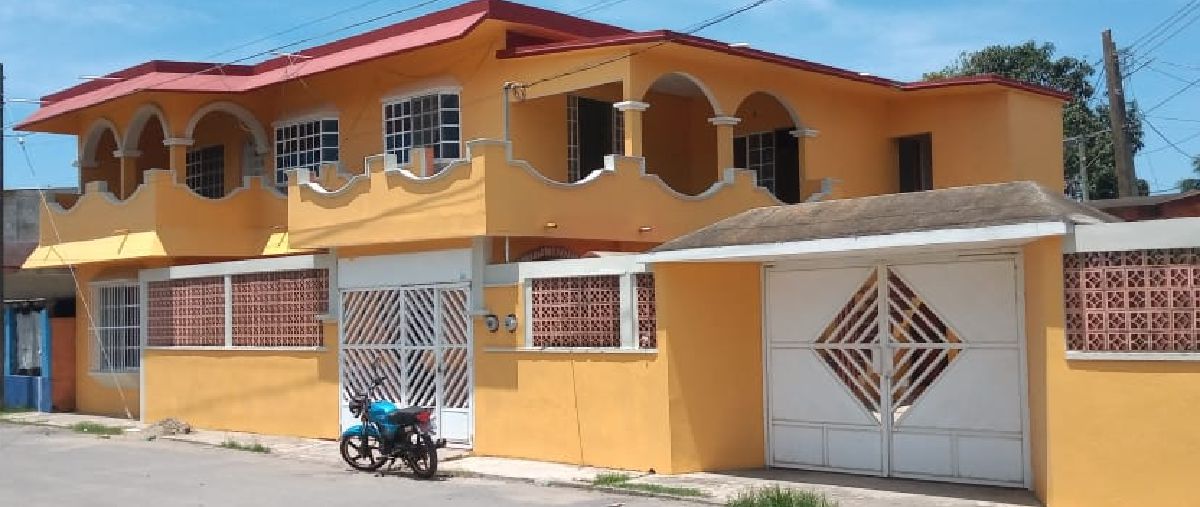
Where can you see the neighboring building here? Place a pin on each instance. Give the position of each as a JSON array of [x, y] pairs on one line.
[[256, 242], [39, 314], [1152, 207]]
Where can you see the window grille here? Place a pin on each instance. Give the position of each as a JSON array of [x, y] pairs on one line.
[[186, 312], [206, 171], [305, 144], [1135, 301], [585, 311], [280, 308], [647, 311], [580, 311], [116, 327], [432, 120], [760, 157]]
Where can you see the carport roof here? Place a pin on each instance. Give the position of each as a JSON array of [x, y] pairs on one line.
[[971, 207]]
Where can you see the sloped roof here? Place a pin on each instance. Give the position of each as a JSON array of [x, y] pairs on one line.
[[1142, 200], [428, 30], [431, 29], [952, 208]]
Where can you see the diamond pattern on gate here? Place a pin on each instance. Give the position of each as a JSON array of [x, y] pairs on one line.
[[1134, 301], [580, 311], [923, 344], [846, 345]]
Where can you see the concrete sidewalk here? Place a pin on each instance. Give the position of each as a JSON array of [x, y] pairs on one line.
[[716, 488]]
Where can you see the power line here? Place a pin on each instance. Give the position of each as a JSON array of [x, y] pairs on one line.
[[294, 28], [688, 31], [1168, 141], [596, 6], [1171, 118], [1160, 24], [1178, 92]]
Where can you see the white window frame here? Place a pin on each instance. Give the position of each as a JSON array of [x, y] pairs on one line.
[[574, 138], [100, 348], [279, 176], [227, 270], [523, 273], [395, 100]]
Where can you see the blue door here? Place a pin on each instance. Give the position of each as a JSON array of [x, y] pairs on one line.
[[27, 365]]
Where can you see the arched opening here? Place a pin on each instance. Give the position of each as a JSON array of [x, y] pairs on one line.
[[566, 136], [679, 143], [97, 161], [145, 135], [227, 145], [767, 141]]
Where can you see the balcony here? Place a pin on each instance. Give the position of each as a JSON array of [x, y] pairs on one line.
[[490, 194], [162, 219]]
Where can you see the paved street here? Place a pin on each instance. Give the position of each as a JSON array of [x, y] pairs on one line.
[[42, 466]]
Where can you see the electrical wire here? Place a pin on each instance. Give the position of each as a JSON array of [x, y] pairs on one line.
[[688, 31], [596, 6], [294, 28], [1166, 140]]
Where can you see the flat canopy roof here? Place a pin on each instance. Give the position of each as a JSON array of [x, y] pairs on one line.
[[980, 214]]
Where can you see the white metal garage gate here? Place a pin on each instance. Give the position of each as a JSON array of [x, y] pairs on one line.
[[909, 370]]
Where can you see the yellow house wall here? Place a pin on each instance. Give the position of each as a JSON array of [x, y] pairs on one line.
[[98, 393], [1036, 148], [1105, 433], [262, 391], [607, 410], [966, 150], [710, 329]]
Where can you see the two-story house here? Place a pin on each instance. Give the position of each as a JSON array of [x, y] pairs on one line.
[[491, 207]]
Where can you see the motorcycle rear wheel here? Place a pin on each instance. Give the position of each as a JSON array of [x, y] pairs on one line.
[[362, 452], [424, 458]]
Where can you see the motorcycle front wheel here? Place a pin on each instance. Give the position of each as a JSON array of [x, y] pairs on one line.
[[424, 457], [362, 452]]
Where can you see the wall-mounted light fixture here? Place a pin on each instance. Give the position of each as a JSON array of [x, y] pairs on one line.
[[551, 225], [492, 322], [645, 228], [510, 323]]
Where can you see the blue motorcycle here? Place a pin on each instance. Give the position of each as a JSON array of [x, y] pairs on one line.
[[387, 433]]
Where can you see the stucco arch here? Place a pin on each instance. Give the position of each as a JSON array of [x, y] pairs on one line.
[[261, 141], [704, 88], [87, 151], [797, 121], [133, 132]]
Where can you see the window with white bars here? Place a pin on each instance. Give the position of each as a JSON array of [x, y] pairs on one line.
[[574, 137], [760, 157], [305, 144], [585, 311], [206, 171], [116, 326], [430, 120]]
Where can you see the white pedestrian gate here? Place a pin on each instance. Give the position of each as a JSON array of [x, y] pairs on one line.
[[898, 370], [418, 339]]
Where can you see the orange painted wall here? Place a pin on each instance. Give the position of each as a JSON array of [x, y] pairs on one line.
[[62, 363], [560, 407], [100, 393], [1105, 433], [710, 329]]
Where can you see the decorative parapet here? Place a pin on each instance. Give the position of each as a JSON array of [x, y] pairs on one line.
[[489, 193], [162, 218]]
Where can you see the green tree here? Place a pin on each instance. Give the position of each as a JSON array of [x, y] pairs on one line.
[[1192, 183], [1037, 64]]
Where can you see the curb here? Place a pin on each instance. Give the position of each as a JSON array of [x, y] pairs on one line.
[[708, 500]]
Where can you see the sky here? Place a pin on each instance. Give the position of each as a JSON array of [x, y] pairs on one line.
[[46, 45]]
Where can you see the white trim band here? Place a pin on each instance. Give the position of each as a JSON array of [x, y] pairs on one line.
[[631, 105], [957, 238], [292, 263], [1079, 355], [724, 121], [1125, 236]]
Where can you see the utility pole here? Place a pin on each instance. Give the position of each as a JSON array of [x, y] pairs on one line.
[[3, 139], [1126, 179]]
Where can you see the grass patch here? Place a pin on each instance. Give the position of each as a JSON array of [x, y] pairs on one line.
[[255, 447], [621, 481], [94, 428], [780, 497]]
